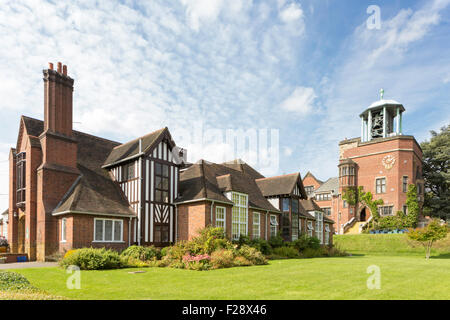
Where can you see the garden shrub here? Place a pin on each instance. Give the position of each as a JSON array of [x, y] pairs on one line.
[[69, 253], [93, 259], [141, 253], [261, 245], [222, 258], [313, 253], [241, 261], [13, 281], [252, 255], [286, 252], [197, 262], [305, 242], [276, 242], [208, 240]]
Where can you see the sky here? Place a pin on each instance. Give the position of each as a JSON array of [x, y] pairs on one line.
[[295, 74]]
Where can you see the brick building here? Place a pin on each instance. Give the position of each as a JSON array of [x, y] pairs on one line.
[[69, 189], [382, 161], [4, 224]]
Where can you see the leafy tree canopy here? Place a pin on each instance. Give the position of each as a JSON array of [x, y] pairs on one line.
[[436, 173]]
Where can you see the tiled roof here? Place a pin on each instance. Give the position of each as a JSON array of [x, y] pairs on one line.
[[312, 176], [131, 149], [94, 191], [240, 165], [331, 184], [206, 180], [278, 185]]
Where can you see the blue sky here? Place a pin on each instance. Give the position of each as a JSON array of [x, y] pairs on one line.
[[304, 68]]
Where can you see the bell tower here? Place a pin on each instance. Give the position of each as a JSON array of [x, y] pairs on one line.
[[382, 119]]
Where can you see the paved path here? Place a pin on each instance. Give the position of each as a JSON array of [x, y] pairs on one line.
[[23, 265]]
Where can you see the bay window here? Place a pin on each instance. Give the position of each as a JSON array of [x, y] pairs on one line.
[[220, 217], [20, 178], [63, 229], [319, 226], [108, 230]]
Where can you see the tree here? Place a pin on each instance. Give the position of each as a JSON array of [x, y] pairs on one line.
[[436, 174], [434, 231], [412, 203], [366, 198]]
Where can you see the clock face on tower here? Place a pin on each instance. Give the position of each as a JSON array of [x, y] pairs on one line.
[[388, 161]]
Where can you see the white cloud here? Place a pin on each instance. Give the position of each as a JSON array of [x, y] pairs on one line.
[[291, 13], [199, 11], [300, 101]]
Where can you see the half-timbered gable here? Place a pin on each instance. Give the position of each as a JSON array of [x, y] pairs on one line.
[[147, 171]]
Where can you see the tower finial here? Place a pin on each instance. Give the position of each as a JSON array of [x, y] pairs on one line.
[[381, 94]]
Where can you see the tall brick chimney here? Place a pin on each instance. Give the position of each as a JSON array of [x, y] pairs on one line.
[[58, 170], [58, 88]]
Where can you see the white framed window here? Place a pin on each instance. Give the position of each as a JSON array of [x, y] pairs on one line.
[[273, 225], [220, 217], [256, 225], [63, 230], [380, 185], [327, 234], [239, 219], [299, 226], [310, 228], [319, 226], [386, 210], [108, 230]]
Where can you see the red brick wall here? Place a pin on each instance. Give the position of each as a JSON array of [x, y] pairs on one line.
[[310, 181], [80, 232], [191, 218], [368, 157]]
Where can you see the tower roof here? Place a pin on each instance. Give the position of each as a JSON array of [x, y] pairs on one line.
[[380, 104]]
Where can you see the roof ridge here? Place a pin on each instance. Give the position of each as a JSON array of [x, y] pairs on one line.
[[280, 176], [138, 138], [81, 132]]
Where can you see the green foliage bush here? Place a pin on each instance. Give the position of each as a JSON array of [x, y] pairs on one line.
[[276, 242], [305, 242], [241, 261], [222, 258], [313, 253], [286, 252], [261, 245], [13, 281], [252, 255], [141, 253], [93, 259]]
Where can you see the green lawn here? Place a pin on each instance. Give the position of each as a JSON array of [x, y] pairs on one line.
[[402, 277], [388, 244]]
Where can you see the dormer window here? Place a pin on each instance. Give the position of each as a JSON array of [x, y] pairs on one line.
[[20, 179]]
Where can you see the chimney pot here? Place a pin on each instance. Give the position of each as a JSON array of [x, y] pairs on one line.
[[50, 66], [65, 70], [59, 67]]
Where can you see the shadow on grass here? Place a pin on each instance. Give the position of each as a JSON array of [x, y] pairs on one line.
[[441, 256]]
